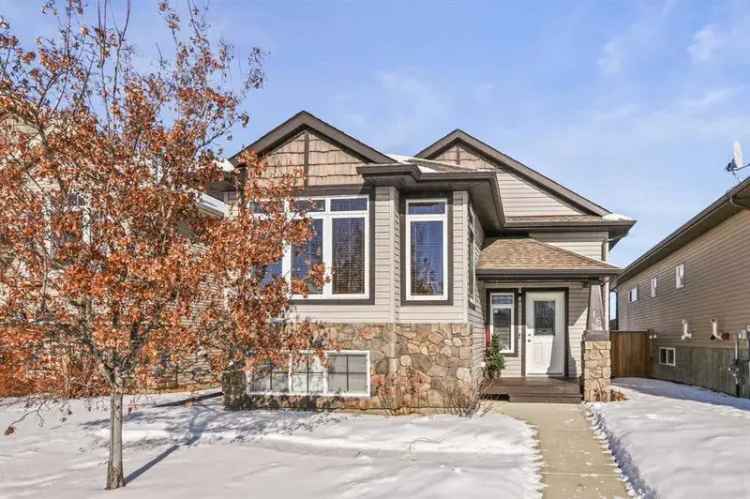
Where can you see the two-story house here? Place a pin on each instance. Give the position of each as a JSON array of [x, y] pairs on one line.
[[431, 255]]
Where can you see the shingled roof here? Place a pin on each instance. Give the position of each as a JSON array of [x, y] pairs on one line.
[[515, 257]]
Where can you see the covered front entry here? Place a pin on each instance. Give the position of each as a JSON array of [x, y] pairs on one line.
[[545, 333]]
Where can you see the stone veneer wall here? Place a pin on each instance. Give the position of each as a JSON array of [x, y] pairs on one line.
[[420, 364], [597, 365]]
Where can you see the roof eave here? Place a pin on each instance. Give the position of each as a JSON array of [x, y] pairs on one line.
[[555, 274], [530, 174], [482, 186], [729, 204], [305, 120]]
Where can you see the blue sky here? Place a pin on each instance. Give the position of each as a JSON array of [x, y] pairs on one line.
[[632, 104]]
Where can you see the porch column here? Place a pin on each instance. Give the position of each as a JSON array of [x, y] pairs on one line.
[[596, 359], [595, 320]]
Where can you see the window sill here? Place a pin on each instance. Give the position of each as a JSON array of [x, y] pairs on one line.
[[332, 300], [311, 395], [440, 301]]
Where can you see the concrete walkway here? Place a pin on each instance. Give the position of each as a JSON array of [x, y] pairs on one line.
[[575, 465]]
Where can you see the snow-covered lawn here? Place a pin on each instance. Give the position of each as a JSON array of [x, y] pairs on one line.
[[678, 441], [203, 451]]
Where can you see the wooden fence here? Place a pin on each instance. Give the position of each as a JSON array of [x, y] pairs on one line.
[[630, 354]]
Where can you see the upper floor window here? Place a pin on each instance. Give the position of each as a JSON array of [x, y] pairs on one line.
[[340, 238], [633, 294], [427, 249], [679, 276], [654, 285]]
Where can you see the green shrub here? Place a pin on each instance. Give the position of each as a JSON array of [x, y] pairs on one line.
[[494, 359]]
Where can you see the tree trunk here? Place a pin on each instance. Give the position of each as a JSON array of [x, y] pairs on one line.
[[115, 477]]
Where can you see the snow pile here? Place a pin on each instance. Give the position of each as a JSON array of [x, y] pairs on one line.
[[677, 441], [203, 450]]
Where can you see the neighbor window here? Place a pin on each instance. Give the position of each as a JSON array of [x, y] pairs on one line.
[[667, 356], [427, 243], [633, 295], [344, 373], [501, 317], [679, 276], [654, 285], [339, 242]]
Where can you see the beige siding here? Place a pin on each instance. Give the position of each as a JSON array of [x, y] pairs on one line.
[[327, 164], [519, 196], [383, 266], [717, 266], [457, 311], [330, 165], [578, 296], [475, 313], [287, 159], [588, 244]]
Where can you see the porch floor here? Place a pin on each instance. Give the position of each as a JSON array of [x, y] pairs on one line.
[[530, 389]]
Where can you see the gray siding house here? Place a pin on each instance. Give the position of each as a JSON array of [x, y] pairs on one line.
[[443, 249], [691, 290]]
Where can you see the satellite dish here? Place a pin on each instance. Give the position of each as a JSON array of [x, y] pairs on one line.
[[737, 161]]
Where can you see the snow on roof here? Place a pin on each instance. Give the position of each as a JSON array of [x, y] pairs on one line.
[[402, 158], [225, 165], [614, 217]]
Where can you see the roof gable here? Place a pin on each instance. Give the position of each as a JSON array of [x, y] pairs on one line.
[[516, 167], [307, 121]]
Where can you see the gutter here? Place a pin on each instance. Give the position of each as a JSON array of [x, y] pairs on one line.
[[728, 199], [485, 274]]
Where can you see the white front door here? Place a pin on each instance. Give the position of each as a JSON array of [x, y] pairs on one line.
[[545, 333]]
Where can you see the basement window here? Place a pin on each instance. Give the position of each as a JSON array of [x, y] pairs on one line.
[[344, 373], [667, 356]]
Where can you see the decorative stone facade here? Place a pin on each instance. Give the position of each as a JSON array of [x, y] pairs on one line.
[[411, 366], [597, 371]]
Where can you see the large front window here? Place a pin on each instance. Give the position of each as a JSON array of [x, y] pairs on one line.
[[340, 239], [427, 243]]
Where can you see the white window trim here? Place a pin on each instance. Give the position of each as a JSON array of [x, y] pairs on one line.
[[325, 392], [471, 258], [674, 356], [328, 216], [633, 294], [679, 276], [407, 246], [654, 286], [512, 308]]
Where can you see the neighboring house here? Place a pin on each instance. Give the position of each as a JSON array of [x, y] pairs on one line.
[[431, 254], [697, 277]]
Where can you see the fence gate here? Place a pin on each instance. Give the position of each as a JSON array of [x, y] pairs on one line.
[[630, 355]]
